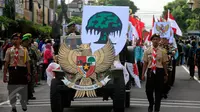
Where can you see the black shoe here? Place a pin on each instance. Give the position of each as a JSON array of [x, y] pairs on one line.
[[165, 96], [32, 98], [14, 110], [150, 110], [24, 109]]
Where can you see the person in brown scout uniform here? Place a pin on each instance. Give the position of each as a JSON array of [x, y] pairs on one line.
[[155, 60], [17, 64], [26, 44], [168, 49]]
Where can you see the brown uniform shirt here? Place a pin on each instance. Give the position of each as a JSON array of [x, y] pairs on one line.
[[22, 58], [160, 58]]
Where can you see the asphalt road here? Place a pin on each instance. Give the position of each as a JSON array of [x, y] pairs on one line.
[[184, 97]]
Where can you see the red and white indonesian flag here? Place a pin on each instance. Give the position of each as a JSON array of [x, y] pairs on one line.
[[132, 32], [148, 38], [171, 38], [174, 25], [118, 64], [133, 70], [49, 71]]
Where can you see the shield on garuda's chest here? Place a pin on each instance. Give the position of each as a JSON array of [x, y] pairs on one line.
[[86, 65]]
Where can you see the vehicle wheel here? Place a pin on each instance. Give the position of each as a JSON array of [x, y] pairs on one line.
[[119, 92], [55, 96]]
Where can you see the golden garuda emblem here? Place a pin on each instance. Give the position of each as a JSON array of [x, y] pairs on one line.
[[85, 71], [162, 29]]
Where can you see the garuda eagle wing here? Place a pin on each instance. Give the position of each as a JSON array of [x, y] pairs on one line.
[[158, 28], [67, 59], [104, 57], [166, 28]]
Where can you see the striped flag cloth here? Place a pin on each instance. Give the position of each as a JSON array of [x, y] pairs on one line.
[[133, 70]]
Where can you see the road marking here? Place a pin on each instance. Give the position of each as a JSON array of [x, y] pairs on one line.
[[189, 73], [133, 103], [42, 101], [5, 102], [110, 102], [175, 101], [132, 99], [98, 101]]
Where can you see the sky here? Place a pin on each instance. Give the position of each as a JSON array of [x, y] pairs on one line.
[[148, 8]]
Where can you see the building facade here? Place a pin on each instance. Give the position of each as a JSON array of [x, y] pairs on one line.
[[32, 10], [2, 5], [75, 8], [196, 4]]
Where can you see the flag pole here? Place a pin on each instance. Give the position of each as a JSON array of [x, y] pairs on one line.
[[168, 14]]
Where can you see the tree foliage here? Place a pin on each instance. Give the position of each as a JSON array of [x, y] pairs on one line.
[[119, 3], [59, 9], [76, 19], [9, 10], [7, 21], [184, 16], [51, 4], [24, 26]]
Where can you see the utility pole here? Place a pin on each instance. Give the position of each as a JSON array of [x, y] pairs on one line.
[[43, 14], [32, 10], [54, 10]]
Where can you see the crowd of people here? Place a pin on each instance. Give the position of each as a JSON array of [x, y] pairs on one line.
[[189, 54], [159, 60], [24, 60]]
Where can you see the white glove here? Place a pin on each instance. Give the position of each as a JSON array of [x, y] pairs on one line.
[[105, 81], [65, 81]]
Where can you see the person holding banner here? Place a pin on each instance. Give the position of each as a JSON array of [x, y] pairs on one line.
[[155, 60]]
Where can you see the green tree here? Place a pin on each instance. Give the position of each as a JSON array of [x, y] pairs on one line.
[[51, 4], [59, 9], [9, 10], [76, 19], [62, 11], [103, 2], [119, 3], [185, 18]]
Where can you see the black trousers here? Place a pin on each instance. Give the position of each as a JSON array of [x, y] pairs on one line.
[[21, 90], [31, 83], [139, 64], [167, 86], [198, 70], [192, 68], [155, 83], [44, 76], [173, 72]]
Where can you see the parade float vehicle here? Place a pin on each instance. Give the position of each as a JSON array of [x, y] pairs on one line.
[[90, 63], [88, 75]]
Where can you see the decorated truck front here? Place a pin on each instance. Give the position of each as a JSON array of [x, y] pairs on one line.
[[93, 68]]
